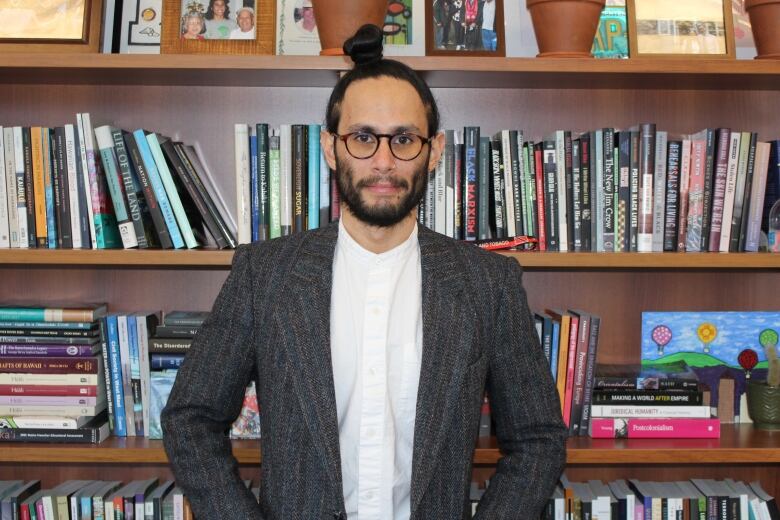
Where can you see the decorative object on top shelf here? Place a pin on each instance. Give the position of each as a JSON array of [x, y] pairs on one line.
[[141, 27], [765, 22], [611, 39], [465, 27], [669, 28], [218, 26], [565, 28], [50, 26], [763, 397], [338, 20]]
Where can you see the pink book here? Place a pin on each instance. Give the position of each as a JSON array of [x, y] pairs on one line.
[[636, 428], [685, 176], [696, 196], [570, 369]]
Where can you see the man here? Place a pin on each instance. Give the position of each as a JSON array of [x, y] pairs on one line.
[[372, 341], [488, 15], [245, 18]]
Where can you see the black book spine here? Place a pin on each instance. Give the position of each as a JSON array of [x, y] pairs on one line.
[[633, 216], [568, 175], [517, 189], [107, 371], [672, 195], [63, 210], [532, 219], [551, 195], [575, 215], [483, 190], [741, 198], [151, 199], [609, 187], [132, 206], [471, 182], [709, 173], [84, 227], [263, 168], [55, 185], [751, 165], [498, 188], [585, 199], [29, 189], [299, 170], [623, 222]]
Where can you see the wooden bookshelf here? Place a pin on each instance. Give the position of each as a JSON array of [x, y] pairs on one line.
[[197, 99]]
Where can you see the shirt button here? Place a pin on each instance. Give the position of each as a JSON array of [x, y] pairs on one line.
[[370, 433], [369, 495], [375, 311], [372, 371]]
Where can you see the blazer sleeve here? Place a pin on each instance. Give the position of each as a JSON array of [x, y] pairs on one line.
[[207, 397], [524, 403]]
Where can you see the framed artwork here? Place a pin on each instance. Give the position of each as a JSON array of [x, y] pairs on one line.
[[296, 29], [689, 29], [218, 26], [141, 27], [404, 28], [464, 28], [50, 25]]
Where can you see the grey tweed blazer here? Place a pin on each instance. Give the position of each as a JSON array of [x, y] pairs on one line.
[[271, 320]]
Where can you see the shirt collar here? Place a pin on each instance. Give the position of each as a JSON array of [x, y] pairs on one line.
[[362, 254]]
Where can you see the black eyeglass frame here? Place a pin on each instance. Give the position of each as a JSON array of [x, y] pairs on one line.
[[344, 137]]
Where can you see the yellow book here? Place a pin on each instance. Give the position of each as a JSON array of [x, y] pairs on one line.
[[38, 184]]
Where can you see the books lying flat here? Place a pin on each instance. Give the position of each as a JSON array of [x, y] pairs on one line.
[[638, 428], [660, 376], [94, 432]]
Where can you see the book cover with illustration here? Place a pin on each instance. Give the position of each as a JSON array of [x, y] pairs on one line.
[[714, 344]]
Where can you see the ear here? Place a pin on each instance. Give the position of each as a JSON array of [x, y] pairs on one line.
[[328, 145], [437, 148]]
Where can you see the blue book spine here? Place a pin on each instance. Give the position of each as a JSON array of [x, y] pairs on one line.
[[159, 189], [255, 193], [135, 369], [86, 507], [314, 176], [324, 190], [166, 361], [120, 424], [556, 338], [51, 222]]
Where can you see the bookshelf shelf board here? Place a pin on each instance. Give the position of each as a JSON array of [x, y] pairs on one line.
[[210, 258], [444, 71], [739, 444]]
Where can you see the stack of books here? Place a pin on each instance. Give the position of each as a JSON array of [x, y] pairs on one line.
[[663, 401], [52, 374]]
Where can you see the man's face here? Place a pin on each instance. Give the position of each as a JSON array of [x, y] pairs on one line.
[[245, 21], [382, 189], [219, 8], [308, 13]]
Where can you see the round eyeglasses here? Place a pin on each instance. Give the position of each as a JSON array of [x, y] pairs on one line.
[[363, 144]]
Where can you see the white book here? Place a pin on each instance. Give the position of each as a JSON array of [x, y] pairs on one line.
[[21, 203], [73, 186], [731, 185], [560, 164], [450, 186], [659, 191], [685, 181], [757, 193], [243, 197], [124, 362], [285, 173], [178, 504], [10, 182], [5, 238], [142, 332], [85, 174], [105, 143], [430, 199], [597, 181], [509, 192], [619, 410]]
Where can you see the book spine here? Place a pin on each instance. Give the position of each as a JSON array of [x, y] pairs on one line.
[[21, 197], [580, 367], [746, 143], [165, 361], [498, 189], [49, 162], [10, 183], [243, 206], [682, 209], [623, 221], [575, 213], [149, 193], [48, 379], [29, 187], [659, 190], [159, 189], [254, 190], [313, 171], [731, 185], [120, 420], [586, 199], [593, 341], [325, 178], [73, 186], [563, 187], [518, 191], [508, 183], [719, 187], [85, 208], [275, 223], [690, 412], [50, 390], [709, 173], [635, 384], [84, 181], [765, 159], [88, 435], [471, 182], [541, 219], [751, 165], [609, 190], [46, 400], [570, 368], [286, 179], [483, 189], [695, 196], [134, 362], [674, 428], [5, 240], [38, 175], [32, 350], [552, 220], [647, 153], [298, 160], [261, 130], [49, 365], [133, 207], [57, 411], [672, 196], [529, 160], [647, 397], [111, 167]]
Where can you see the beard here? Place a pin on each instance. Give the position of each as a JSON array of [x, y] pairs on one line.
[[384, 214]]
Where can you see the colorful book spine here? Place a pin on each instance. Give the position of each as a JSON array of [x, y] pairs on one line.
[[313, 172], [33, 350], [120, 421], [254, 190], [645, 428], [274, 188], [261, 131], [243, 200], [48, 186], [623, 411], [109, 160]]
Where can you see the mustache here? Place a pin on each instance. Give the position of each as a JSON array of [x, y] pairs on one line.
[[395, 182]]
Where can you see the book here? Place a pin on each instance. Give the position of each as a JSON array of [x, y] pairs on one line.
[[185, 318], [81, 313], [661, 376], [36, 350], [661, 410], [667, 397], [94, 432], [654, 428]]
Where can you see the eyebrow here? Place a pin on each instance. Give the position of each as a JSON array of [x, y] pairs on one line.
[[401, 129]]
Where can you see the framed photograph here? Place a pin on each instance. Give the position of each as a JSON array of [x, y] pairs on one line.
[[296, 29], [218, 26], [671, 28], [464, 27], [50, 26]]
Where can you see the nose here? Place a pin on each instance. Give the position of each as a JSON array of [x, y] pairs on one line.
[[384, 159]]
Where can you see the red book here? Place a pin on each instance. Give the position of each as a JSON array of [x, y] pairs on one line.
[[50, 365], [537, 151], [638, 428]]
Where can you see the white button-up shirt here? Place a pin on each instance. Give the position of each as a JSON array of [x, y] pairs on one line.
[[376, 349]]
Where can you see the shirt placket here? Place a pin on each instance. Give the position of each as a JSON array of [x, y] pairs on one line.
[[374, 376]]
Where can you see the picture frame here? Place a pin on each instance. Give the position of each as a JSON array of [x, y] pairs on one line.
[[694, 29], [141, 27], [82, 34], [173, 26], [447, 32]]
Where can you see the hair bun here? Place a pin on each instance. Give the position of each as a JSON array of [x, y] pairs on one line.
[[365, 46]]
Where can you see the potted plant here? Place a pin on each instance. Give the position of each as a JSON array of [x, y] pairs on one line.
[[338, 20], [565, 28], [763, 397], [765, 23]]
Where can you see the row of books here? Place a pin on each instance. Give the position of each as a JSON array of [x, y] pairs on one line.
[[75, 187], [150, 499], [638, 189]]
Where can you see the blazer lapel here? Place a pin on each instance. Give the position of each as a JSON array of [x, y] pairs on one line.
[[443, 361], [305, 321]]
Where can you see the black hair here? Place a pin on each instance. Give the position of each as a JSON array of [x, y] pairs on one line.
[[210, 10], [365, 49]]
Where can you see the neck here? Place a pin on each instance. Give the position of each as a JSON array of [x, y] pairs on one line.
[[377, 239]]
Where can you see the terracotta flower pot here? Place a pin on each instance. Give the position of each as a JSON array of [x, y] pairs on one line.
[[338, 20], [764, 405], [565, 28], [765, 21]]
